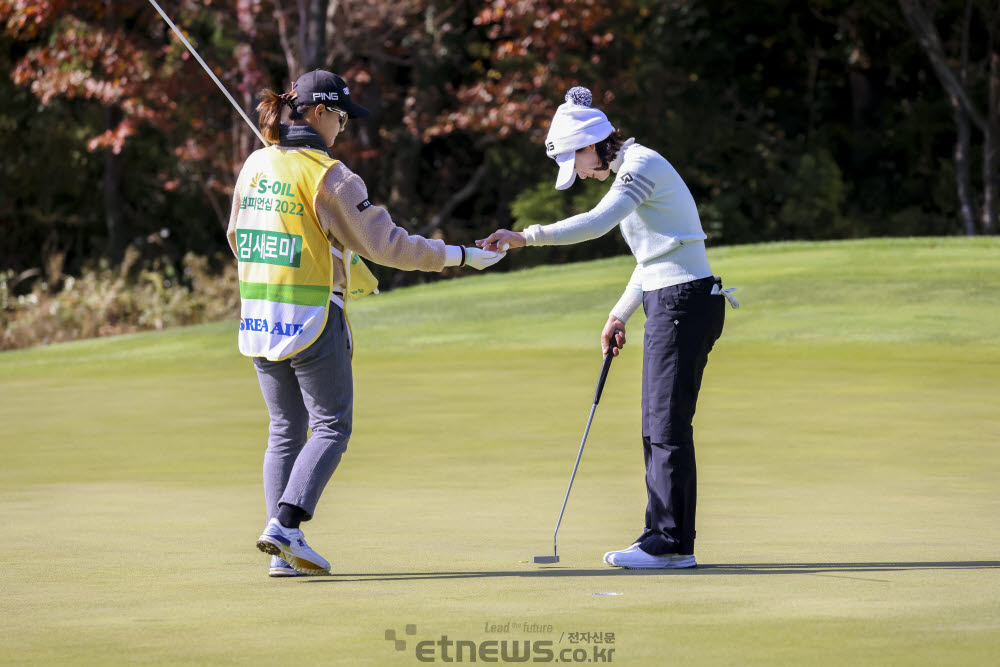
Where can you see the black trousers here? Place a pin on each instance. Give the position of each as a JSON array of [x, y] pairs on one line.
[[682, 324]]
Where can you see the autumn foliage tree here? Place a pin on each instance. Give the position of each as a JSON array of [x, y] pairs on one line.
[[787, 120], [138, 95]]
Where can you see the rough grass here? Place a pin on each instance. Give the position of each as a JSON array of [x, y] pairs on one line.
[[848, 466]]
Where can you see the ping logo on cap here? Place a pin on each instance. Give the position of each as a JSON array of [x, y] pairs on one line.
[[326, 96]]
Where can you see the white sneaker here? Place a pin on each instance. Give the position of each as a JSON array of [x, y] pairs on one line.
[[281, 568], [607, 556], [637, 559], [290, 545]]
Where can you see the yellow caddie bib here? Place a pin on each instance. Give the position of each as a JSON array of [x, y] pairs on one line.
[[285, 263]]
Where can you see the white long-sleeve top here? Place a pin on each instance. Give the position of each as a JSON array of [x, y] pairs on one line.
[[658, 218]]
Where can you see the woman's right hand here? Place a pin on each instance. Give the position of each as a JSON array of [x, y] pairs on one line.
[[501, 240], [614, 328]]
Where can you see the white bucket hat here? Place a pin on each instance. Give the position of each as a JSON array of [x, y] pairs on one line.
[[574, 126]]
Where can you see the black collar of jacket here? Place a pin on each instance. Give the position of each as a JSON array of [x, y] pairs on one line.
[[301, 136]]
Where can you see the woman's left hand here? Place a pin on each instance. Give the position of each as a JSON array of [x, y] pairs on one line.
[[501, 240]]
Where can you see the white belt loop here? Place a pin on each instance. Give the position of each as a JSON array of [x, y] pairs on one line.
[[336, 299], [726, 293]]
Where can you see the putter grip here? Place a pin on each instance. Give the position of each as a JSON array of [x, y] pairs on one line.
[[604, 371]]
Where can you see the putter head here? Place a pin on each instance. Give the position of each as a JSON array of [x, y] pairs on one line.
[[545, 559]]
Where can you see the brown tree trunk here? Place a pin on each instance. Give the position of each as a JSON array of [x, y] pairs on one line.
[[962, 179], [963, 136], [813, 55], [457, 198], [965, 110], [112, 192], [244, 140], [302, 33], [113, 173], [991, 138], [929, 39], [312, 16], [405, 171], [287, 37]]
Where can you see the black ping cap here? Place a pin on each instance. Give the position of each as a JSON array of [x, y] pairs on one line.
[[322, 87]]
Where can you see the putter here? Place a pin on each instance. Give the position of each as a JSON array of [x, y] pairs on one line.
[[554, 558]]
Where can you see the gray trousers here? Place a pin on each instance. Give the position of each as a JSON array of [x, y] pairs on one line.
[[313, 389]]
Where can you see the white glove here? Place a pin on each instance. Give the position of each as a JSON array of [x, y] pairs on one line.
[[480, 259], [474, 257]]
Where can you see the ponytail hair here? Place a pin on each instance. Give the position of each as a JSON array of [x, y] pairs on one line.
[[270, 115], [269, 109]]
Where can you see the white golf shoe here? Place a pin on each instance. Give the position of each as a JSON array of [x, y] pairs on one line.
[[281, 568], [635, 558], [607, 556], [289, 544]]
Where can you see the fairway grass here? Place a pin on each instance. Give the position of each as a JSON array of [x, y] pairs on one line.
[[848, 438]]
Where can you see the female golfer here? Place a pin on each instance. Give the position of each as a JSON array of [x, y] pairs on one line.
[[298, 218], [672, 280]]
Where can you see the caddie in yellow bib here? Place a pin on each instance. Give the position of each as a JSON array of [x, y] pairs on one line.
[[286, 266], [297, 216]]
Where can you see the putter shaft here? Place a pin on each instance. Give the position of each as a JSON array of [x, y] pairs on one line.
[[597, 399], [555, 535]]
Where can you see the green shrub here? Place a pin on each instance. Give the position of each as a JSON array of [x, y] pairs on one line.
[[814, 199], [107, 302]]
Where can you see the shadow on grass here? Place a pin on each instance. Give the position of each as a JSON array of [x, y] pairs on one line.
[[827, 569]]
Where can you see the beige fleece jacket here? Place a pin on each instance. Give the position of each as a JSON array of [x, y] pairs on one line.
[[351, 221]]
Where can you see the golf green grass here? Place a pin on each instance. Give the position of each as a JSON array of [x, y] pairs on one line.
[[848, 439]]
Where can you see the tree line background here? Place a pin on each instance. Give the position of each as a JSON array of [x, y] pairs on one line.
[[788, 120]]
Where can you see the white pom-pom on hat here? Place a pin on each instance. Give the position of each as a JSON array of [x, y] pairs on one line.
[[580, 95]]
